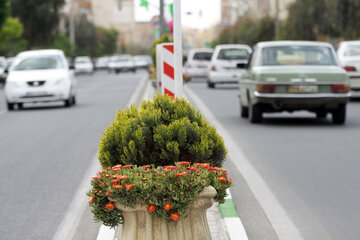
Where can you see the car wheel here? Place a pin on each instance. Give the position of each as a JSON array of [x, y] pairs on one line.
[[339, 115], [244, 111], [73, 99], [321, 115], [68, 102], [134, 70], [20, 105], [255, 113], [211, 84], [117, 71], [10, 106]]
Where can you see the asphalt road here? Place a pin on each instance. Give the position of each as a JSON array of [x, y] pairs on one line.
[[311, 166], [45, 150]]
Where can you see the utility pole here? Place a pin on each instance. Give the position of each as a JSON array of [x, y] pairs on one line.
[[72, 23], [162, 18], [277, 19]]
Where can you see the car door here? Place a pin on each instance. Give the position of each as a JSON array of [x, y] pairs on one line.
[[246, 80]]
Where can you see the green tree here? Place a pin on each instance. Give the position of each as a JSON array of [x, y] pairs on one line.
[[106, 41], [40, 19], [163, 39], [85, 37], [10, 37], [63, 43], [4, 11]]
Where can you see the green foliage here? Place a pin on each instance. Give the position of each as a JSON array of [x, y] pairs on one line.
[[162, 132], [248, 31], [40, 19], [11, 42], [175, 185], [106, 41], [163, 39], [4, 11], [63, 43]]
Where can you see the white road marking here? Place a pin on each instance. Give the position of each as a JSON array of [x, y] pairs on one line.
[[71, 220], [282, 224]]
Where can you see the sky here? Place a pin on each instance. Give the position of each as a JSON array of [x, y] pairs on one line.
[[200, 14]]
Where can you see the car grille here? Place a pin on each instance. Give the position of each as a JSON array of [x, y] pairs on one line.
[[35, 83]]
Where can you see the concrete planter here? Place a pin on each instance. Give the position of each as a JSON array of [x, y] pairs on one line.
[[140, 225]]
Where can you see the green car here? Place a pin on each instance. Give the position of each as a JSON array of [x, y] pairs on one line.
[[291, 76]]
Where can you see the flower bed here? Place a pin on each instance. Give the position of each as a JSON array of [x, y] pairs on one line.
[[167, 191]]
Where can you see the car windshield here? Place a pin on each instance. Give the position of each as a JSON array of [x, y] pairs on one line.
[[39, 63], [202, 56], [297, 55], [82, 60], [352, 51], [121, 60], [233, 54]]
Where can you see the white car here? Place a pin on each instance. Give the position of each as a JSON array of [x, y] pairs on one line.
[[102, 63], [122, 63], [141, 61], [84, 65], [40, 76], [349, 56], [224, 63], [198, 62]]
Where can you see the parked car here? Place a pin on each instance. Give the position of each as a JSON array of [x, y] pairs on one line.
[[141, 61], [40, 76], [198, 63], [122, 63], [224, 61], [84, 64], [291, 76], [102, 63], [349, 55]]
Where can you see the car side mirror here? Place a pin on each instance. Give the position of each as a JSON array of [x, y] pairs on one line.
[[242, 65]]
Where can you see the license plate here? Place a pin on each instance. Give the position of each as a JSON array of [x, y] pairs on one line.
[[303, 89], [201, 66], [35, 94]]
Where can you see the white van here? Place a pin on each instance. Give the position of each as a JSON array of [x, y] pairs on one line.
[[198, 61]]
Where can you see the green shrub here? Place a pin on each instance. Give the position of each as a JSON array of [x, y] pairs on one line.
[[161, 132]]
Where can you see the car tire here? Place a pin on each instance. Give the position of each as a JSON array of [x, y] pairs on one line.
[[339, 115], [321, 115], [134, 70], [255, 113], [68, 102], [20, 105], [211, 84], [10, 106], [244, 111], [117, 71], [73, 99]]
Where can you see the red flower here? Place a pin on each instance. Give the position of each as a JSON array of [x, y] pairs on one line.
[[129, 186], [147, 166], [115, 180], [193, 169], [181, 174], [108, 193], [175, 216], [127, 166], [118, 186], [222, 179], [121, 177], [184, 163], [167, 206], [116, 169], [110, 206], [117, 166], [91, 199], [225, 174], [151, 208], [229, 181], [170, 167], [96, 177]]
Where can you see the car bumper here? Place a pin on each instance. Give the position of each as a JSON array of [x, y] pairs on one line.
[[225, 77], [196, 72], [84, 70], [28, 95]]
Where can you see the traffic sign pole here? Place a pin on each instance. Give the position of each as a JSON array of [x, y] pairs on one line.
[[178, 49]]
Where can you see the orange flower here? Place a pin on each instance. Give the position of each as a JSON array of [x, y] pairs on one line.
[[151, 208], [144, 179], [229, 181], [116, 169], [193, 169], [170, 167], [110, 206], [222, 179], [108, 193], [147, 166], [115, 180], [145, 171], [175, 216], [127, 166], [129, 186], [225, 174], [91, 199], [167, 206], [181, 174], [96, 177], [121, 177], [118, 186], [184, 163], [117, 166]]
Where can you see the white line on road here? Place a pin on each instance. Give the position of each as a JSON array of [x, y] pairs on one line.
[[282, 224], [71, 220]]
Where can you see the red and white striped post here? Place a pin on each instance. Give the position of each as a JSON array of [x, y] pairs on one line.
[[169, 60]]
